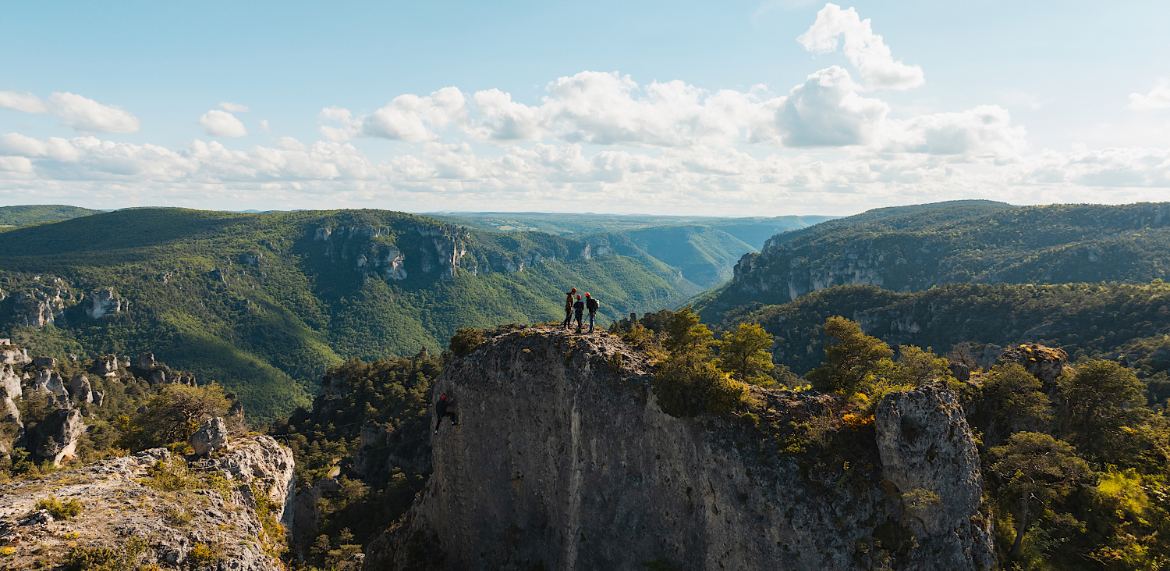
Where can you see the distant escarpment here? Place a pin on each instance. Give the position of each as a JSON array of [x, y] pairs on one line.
[[562, 459], [957, 243]]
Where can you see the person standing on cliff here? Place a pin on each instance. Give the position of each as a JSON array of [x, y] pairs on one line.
[[578, 309], [591, 304], [569, 308], [441, 411]]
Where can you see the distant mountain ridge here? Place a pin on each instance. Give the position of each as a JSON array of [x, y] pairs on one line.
[[966, 242], [264, 303]]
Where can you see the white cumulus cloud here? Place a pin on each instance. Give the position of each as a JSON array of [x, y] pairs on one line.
[[222, 124], [864, 49], [1157, 98], [827, 111], [79, 113]]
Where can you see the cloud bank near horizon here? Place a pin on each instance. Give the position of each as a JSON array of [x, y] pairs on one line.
[[601, 139]]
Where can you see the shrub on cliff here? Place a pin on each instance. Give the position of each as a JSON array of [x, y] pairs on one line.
[[744, 353], [466, 340], [688, 382]]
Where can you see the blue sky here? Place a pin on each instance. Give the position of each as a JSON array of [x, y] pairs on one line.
[[735, 108]]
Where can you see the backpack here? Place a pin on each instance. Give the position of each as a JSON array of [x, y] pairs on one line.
[[592, 304]]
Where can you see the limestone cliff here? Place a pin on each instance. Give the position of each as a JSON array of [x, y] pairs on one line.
[[563, 460]]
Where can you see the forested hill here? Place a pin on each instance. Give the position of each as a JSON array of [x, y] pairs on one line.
[[1113, 321], [265, 303], [966, 242], [21, 215]]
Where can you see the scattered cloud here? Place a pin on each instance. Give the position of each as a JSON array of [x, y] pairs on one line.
[[985, 131], [79, 113], [222, 124], [234, 107], [264, 126], [1157, 98], [864, 49]]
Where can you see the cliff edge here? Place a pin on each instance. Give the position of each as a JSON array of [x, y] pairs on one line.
[[562, 459]]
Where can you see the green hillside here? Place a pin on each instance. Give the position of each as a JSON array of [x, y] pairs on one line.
[[972, 242], [1112, 320], [32, 214], [265, 303]]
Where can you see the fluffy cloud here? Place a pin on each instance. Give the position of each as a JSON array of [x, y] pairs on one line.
[[233, 107], [827, 111], [865, 49], [409, 118], [222, 124], [79, 113], [1157, 98]]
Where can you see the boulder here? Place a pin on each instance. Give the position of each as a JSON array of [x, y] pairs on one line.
[[80, 389], [56, 436], [99, 397], [210, 437], [146, 361]]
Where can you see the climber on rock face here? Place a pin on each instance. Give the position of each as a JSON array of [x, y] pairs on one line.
[[569, 308], [441, 411], [578, 309]]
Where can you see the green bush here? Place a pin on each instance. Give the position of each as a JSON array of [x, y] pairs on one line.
[[466, 340], [59, 509], [687, 391]]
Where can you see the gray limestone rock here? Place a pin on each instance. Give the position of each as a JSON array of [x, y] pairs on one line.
[[105, 366], [56, 436], [12, 355], [80, 389], [45, 362], [146, 361], [928, 453], [49, 381], [210, 437], [561, 462]]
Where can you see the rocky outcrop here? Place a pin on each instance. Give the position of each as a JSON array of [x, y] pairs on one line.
[[103, 301], [210, 437], [11, 354], [49, 381], [39, 306], [55, 438], [105, 366], [306, 516], [80, 389], [120, 508], [929, 455], [1045, 363], [563, 460], [259, 465]]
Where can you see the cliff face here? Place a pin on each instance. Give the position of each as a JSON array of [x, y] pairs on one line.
[[563, 460]]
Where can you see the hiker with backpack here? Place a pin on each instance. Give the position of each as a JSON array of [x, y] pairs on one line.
[[441, 411], [578, 309], [569, 308], [591, 304]]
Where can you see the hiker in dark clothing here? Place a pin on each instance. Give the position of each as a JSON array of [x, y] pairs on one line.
[[578, 309], [591, 304], [569, 308], [441, 411]]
